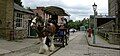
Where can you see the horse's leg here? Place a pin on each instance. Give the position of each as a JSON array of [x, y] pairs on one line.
[[44, 47], [41, 51], [40, 39], [52, 47]]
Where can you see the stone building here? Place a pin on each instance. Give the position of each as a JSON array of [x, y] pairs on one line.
[[6, 18], [114, 10], [22, 22], [14, 20], [40, 12]]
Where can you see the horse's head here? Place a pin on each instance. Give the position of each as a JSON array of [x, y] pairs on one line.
[[33, 23]]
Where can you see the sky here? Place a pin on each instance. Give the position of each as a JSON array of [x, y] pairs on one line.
[[78, 9]]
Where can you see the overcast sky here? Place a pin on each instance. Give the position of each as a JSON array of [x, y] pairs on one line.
[[78, 9]]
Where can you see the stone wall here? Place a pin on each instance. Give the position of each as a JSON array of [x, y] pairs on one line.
[[6, 15], [112, 7], [106, 28], [2, 16], [107, 31], [114, 38]]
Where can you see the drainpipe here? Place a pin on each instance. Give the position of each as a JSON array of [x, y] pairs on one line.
[[13, 21]]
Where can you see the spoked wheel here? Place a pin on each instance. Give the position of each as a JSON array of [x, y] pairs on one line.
[[63, 41], [66, 39]]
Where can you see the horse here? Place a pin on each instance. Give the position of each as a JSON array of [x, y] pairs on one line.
[[45, 34]]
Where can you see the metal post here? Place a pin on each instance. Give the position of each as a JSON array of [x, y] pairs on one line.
[[95, 13], [94, 28]]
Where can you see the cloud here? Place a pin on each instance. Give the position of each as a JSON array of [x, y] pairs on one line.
[[78, 9]]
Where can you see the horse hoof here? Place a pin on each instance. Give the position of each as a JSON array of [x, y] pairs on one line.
[[66, 44], [63, 46], [50, 50]]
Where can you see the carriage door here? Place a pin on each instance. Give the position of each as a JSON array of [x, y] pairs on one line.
[[32, 32]]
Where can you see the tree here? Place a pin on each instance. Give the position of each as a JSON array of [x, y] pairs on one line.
[[28, 8], [18, 2], [75, 25], [85, 22]]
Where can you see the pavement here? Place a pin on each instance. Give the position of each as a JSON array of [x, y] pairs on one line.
[[13, 46], [99, 42]]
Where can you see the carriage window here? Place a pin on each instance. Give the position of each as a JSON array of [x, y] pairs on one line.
[[19, 18]]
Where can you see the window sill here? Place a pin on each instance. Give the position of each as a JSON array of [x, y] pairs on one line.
[[19, 28]]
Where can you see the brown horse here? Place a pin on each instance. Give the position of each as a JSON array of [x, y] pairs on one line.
[[46, 35]]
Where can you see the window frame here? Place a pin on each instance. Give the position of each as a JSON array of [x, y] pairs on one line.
[[19, 16]]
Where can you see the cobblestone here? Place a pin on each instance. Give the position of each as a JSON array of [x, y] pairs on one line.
[[79, 47]]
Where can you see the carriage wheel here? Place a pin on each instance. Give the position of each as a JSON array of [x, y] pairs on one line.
[[66, 39], [63, 41]]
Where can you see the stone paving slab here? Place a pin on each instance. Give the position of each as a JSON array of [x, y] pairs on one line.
[[12, 46], [2, 51], [101, 43], [36, 54]]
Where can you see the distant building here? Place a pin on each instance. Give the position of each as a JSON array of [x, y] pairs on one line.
[[99, 20], [14, 20], [106, 28], [40, 12]]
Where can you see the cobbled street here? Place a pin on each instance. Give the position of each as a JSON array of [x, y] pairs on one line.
[[79, 47]]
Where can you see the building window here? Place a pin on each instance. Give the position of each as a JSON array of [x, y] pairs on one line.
[[19, 18]]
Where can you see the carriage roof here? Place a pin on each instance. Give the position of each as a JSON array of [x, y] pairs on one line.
[[53, 10]]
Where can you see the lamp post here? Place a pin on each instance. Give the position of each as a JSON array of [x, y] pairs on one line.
[[94, 8]]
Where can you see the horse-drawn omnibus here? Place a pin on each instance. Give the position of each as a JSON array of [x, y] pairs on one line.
[[53, 30]]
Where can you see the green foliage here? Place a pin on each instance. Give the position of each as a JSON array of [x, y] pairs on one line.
[[75, 25], [28, 8], [78, 24]]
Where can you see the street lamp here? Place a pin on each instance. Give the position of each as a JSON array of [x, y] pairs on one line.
[[95, 13]]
